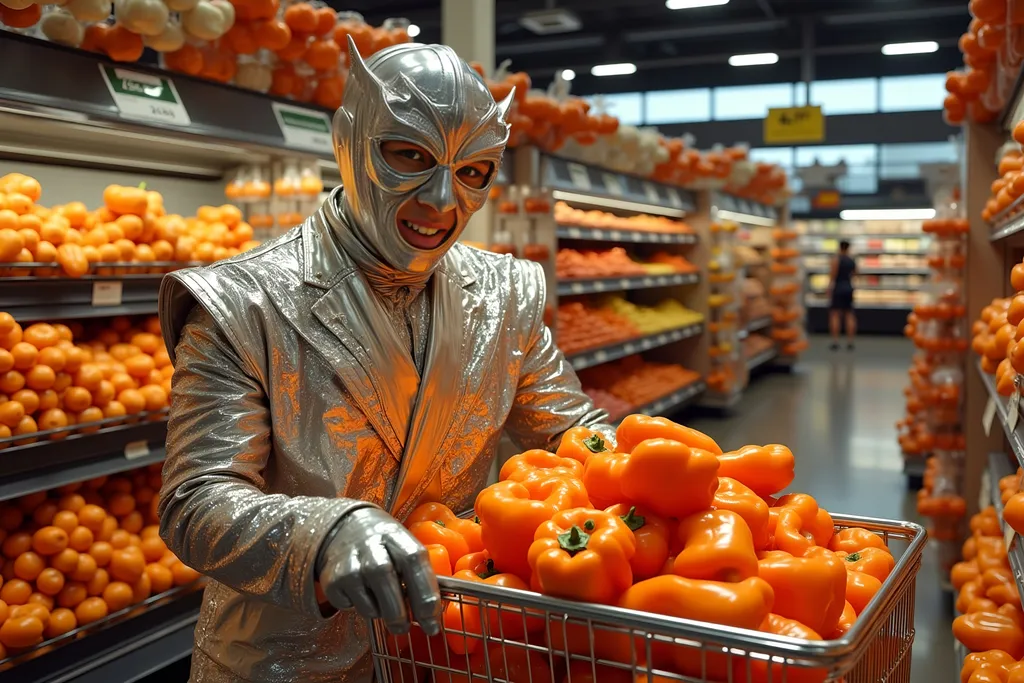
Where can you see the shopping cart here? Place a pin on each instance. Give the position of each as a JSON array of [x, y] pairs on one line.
[[512, 630]]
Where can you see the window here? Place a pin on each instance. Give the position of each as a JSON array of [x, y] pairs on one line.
[[847, 96], [913, 93], [783, 156], [678, 106], [902, 161], [628, 107], [750, 101]]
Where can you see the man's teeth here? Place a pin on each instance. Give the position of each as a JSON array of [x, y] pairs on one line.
[[420, 229]]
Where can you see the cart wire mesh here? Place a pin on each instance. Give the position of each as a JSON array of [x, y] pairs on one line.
[[501, 635]]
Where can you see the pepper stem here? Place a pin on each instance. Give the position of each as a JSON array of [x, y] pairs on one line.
[[595, 444], [438, 522], [633, 520], [488, 571], [142, 185], [853, 557], [574, 540]]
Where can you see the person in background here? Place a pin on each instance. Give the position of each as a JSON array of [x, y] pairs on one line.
[[841, 296]]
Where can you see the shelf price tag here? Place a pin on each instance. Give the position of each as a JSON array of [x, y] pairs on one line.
[[989, 415], [575, 233], [674, 199], [107, 293], [612, 184], [577, 288], [652, 193], [579, 176], [304, 128], [1012, 409], [985, 491], [1008, 537], [144, 96], [136, 450]]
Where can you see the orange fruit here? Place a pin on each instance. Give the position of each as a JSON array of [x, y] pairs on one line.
[[17, 543], [26, 426], [183, 574], [31, 239], [146, 342], [29, 400], [28, 566], [91, 517], [39, 610], [63, 331], [10, 517], [153, 548], [41, 335], [160, 577], [70, 500], [66, 520], [118, 595], [102, 552], [122, 381], [62, 382], [25, 355], [132, 522], [66, 561], [50, 581], [89, 376], [45, 512], [169, 559], [21, 632], [5, 611], [48, 400], [90, 610], [74, 357], [98, 583], [89, 416], [139, 365], [41, 599], [131, 399], [108, 529], [86, 568], [11, 413], [81, 539], [62, 620], [114, 409], [155, 397], [55, 418], [122, 351], [30, 501], [120, 504], [16, 591], [6, 360], [49, 540], [40, 378], [126, 565], [72, 595], [142, 589], [11, 381], [104, 394], [77, 399]]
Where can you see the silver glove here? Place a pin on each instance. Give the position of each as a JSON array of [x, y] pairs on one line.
[[364, 565]]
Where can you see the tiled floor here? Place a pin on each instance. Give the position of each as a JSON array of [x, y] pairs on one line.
[[836, 411]]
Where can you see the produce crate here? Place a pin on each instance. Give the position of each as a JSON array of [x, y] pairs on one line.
[[876, 649]]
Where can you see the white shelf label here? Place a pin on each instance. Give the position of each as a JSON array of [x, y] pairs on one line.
[[601, 356], [624, 283], [579, 176], [629, 349], [648, 282], [616, 236], [1008, 537], [989, 415], [106, 293], [577, 288], [612, 184], [144, 97], [652, 193], [674, 199], [575, 233], [598, 286], [136, 450], [1012, 410], [303, 127]]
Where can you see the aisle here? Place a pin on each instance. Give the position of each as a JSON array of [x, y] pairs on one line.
[[837, 412]]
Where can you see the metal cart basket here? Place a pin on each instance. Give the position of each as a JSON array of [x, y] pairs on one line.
[[523, 637]]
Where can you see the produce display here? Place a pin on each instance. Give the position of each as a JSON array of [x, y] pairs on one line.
[[728, 372], [51, 384], [1009, 186], [276, 197], [522, 213], [636, 382], [756, 344], [77, 554], [616, 262], [787, 328], [664, 523], [598, 322], [130, 230], [567, 215]]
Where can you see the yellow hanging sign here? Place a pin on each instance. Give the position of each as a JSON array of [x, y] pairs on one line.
[[786, 125]]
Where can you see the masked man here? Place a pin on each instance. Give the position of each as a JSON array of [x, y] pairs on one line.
[[329, 381]]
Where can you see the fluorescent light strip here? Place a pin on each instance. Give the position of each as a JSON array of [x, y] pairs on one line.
[[623, 69], [693, 4], [756, 59], [920, 48], [887, 214], [621, 204], [725, 215]]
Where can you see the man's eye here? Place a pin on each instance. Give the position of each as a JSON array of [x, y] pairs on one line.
[[471, 172], [412, 154]]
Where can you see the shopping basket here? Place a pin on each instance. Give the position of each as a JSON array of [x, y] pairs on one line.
[[876, 649]]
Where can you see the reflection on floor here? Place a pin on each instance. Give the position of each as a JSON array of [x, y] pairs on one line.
[[837, 412]]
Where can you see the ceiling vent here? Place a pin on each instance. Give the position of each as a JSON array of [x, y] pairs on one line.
[[550, 21]]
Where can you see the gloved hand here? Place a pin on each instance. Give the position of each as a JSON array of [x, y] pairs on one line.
[[365, 564]]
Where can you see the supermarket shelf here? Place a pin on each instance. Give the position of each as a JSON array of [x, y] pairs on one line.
[[730, 208], [868, 236], [862, 252], [593, 357], [760, 359], [617, 284], [908, 306], [999, 467], [722, 401], [876, 288], [31, 299], [580, 183], [875, 271], [1014, 436], [144, 640], [569, 232], [759, 324], [1011, 226], [670, 403], [50, 463], [914, 466]]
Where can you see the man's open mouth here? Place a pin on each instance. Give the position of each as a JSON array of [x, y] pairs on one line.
[[422, 236]]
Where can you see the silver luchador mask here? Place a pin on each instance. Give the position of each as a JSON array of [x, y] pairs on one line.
[[426, 95]]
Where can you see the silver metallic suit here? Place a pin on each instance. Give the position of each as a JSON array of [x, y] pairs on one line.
[[337, 375]]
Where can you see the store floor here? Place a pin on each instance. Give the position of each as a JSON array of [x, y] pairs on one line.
[[837, 411]]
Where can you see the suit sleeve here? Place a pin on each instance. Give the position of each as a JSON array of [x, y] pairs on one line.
[[214, 512], [549, 399]]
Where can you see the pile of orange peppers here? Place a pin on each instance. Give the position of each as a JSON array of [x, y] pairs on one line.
[[665, 523], [992, 618]]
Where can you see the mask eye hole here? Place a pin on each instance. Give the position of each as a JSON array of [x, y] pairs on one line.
[[406, 157], [476, 174]]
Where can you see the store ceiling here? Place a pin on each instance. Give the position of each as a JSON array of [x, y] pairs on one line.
[[815, 39]]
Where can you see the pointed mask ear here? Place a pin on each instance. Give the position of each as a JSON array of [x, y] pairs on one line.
[[358, 71], [505, 105]]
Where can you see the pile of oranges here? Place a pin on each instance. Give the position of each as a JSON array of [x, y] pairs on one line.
[[1009, 186], [131, 229], [76, 554], [636, 382], [999, 335], [567, 215], [50, 383]]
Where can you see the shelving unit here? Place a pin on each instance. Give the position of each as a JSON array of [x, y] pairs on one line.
[[999, 467], [568, 232], [760, 359], [586, 359], [625, 284]]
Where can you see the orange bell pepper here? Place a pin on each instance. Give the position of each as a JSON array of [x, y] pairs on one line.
[[1013, 512], [716, 546], [1016, 673], [583, 554], [860, 588], [510, 513], [874, 561], [1012, 610], [991, 553], [810, 589], [463, 622], [602, 476], [653, 536], [504, 663], [801, 524], [416, 646], [855, 539], [987, 631], [759, 669], [579, 443], [969, 592], [479, 563], [442, 514], [436, 533], [846, 621], [669, 477], [764, 469], [986, 523], [588, 672], [637, 428], [736, 496], [1003, 594], [518, 467], [982, 605], [992, 660], [962, 572], [439, 560]]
